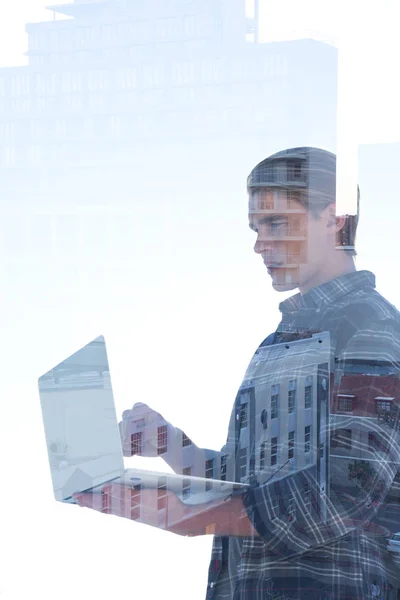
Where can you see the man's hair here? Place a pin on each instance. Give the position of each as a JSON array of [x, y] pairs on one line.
[[311, 173]]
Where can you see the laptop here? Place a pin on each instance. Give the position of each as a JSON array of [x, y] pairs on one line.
[[83, 438]]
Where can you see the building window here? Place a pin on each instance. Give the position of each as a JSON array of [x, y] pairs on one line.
[[291, 445], [162, 439], [189, 26], [61, 128], [275, 391], [294, 171], [263, 454], [242, 463], [162, 493], [126, 78], [341, 438], [34, 154], [108, 33], [243, 415], [97, 80], [65, 83], [266, 174], [308, 392], [209, 473], [263, 200], [383, 405], [136, 443], [76, 82], [307, 438], [292, 396], [8, 156], [186, 472], [135, 502], [345, 403], [115, 125], [185, 440], [224, 460], [274, 451], [7, 131], [264, 418]]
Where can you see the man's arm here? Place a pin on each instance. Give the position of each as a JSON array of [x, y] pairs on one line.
[[145, 432], [225, 518]]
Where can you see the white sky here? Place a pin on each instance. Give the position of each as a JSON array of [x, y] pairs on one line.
[[56, 551]]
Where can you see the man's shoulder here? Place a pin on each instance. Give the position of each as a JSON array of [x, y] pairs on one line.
[[369, 328], [368, 307]]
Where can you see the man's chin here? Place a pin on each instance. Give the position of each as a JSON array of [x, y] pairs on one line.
[[283, 280], [284, 287]]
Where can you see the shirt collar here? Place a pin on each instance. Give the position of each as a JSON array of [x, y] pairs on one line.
[[328, 293]]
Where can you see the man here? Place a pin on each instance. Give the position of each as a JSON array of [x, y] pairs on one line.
[[288, 536]]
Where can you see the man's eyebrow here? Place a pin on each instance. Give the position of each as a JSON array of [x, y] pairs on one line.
[[267, 219]]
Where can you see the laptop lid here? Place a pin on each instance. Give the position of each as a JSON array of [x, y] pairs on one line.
[[80, 422]]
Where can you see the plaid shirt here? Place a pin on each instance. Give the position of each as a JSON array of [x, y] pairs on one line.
[[306, 557]]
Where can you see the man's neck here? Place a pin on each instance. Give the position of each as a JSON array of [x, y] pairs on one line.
[[341, 266]]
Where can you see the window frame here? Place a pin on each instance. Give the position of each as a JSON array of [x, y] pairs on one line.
[[186, 483], [162, 436], [275, 400], [308, 385], [243, 463], [274, 451], [137, 443], [292, 393], [291, 444], [186, 441], [307, 439], [209, 472], [243, 415], [345, 403]]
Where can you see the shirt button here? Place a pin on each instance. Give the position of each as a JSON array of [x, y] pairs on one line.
[[212, 585]]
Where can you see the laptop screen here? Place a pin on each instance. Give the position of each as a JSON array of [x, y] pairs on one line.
[[80, 422]]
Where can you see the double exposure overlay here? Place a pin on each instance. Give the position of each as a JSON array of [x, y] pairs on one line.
[[200, 211]]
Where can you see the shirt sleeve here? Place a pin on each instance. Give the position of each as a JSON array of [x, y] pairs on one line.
[[294, 514]]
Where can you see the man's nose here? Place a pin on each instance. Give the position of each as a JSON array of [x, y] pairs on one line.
[[261, 246], [258, 246]]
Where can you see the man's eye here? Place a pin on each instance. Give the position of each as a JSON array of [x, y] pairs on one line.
[[276, 224]]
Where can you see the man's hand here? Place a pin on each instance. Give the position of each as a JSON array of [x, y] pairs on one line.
[[146, 421], [164, 510]]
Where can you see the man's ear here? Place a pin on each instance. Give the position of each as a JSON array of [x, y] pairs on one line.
[[336, 222], [340, 222]]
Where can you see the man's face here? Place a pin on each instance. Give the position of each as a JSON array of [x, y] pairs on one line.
[[294, 245]]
